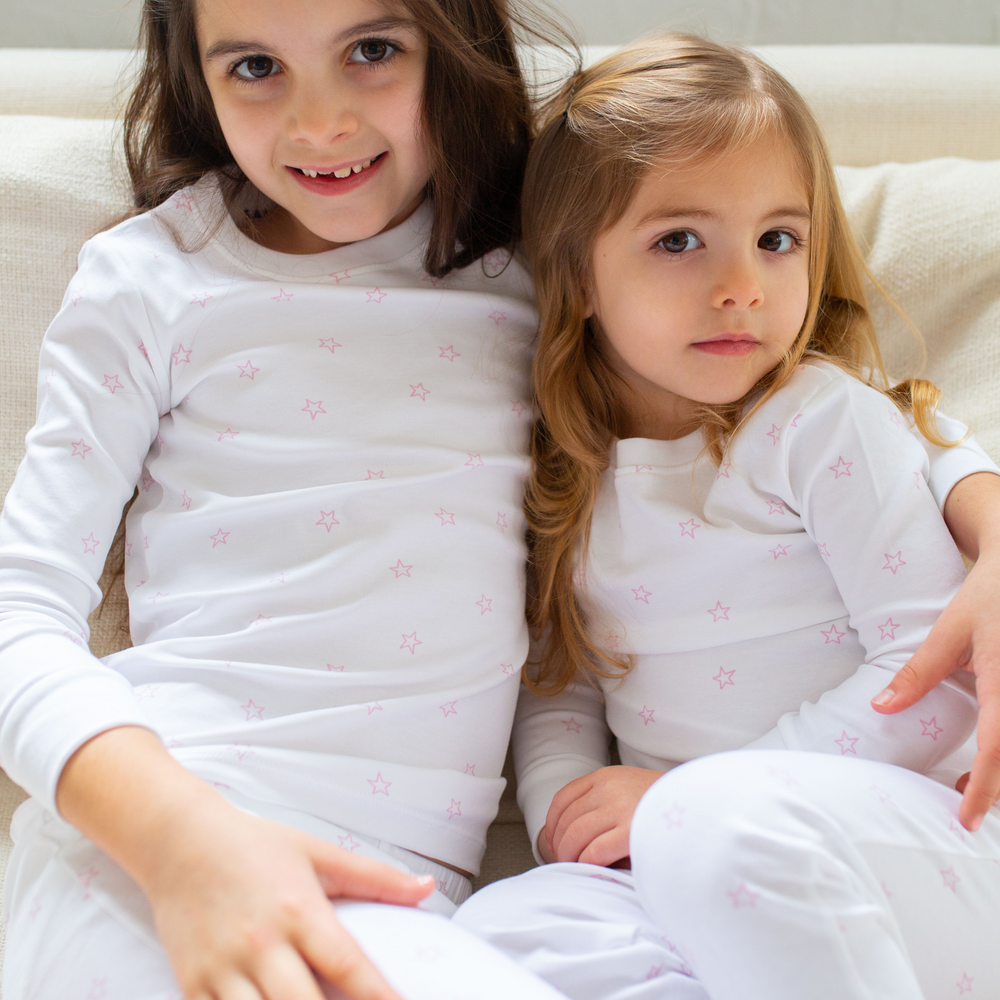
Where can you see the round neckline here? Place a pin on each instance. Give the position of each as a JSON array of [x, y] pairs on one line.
[[631, 452]]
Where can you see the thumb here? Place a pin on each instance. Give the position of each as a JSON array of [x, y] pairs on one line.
[[943, 652]]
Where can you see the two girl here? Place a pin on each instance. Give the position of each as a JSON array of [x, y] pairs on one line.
[[735, 544], [307, 358]]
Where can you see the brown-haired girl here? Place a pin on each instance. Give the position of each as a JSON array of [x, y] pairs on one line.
[[735, 544], [309, 355]]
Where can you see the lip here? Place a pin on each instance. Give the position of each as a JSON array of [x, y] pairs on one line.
[[331, 185], [729, 345]]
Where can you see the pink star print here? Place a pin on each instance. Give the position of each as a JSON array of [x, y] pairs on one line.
[[446, 517], [641, 594], [448, 353], [649, 468], [484, 604], [182, 356], [248, 370], [894, 562], [90, 544], [719, 612], [143, 351], [894, 417], [723, 472], [824, 551], [779, 550], [183, 201], [330, 666], [455, 809], [219, 538], [253, 711], [724, 677], [76, 298], [449, 709], [314, 409], [376, 295], [956, 828], [833, 634], [846, 743], [687, 527], [375, 474], [742, 896], [888, 629], [147, 481], [185, 501], [330, 344], [931, 728], [965, 984], [348, 843], [475, 461], [882, 795], [339, 275], [228, 433], [647, 715], [675, 815], [200, 300], [508, 669], [410, 642], [470, 769], [327, 519], [400, 569], [501, 521], [572, 726], [775, 507], [374, 707], [260, 619], [419, 390], [98, 988], [655, 971], [36, 907], [113, 383], [282, 296], [86, 877], [159, 594], [379, 785], [517, 407], [774, 433], [241, 751], [842, 468], [80, 449], [950, 879], [497, 316], [795, 422], [916, 480]]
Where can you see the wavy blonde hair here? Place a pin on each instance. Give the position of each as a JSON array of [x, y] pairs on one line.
[[671, 99]]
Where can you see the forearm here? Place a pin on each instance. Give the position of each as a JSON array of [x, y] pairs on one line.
[[972, 513]]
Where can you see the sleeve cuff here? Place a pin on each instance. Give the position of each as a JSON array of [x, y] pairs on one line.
[[950, 465]]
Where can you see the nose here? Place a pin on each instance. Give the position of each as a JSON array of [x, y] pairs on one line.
[[738, 285], [319, 117]]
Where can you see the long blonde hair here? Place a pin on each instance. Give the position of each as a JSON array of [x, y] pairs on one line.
[[677, 99]]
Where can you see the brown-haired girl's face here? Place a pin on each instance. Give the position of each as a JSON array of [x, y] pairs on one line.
[[703, 283], [308, 89]]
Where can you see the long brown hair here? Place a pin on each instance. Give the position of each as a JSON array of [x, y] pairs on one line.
[[476, 114], [677, 99]]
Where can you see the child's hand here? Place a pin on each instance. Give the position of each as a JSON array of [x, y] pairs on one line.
[[590, 818]]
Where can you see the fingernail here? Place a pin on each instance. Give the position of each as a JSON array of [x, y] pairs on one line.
[[977, 822], [883, 698], [425, 880]]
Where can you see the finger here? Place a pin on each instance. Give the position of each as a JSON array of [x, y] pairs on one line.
[[572, 814], [237, 987], [564, 798], [983, 788], [338, 958], [582, 833], [963, 782], [282, 975], [606, 849]]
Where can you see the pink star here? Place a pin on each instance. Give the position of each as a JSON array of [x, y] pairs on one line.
[[719, 612], [508, 669], [894, 417], [572, 726], [339, 276], [248, 370], [228, 433], [496, 259], [687, 527], [950, 879], [90, 544], [80, 449], [185, 501], [448, 353], [330, 344], [260, 619], [376, 295], [888, 628], [374, 707], [725, 677], [886, 892], [893, 562], [501, 521], [327, 519], [448, 708], [842, 468], [375, 474], [36, 907], [253, 711], [779, 550], [183, 200], [146, 481], [446, 517], [282, 296], [655, 971], [484, 604], [475, 461], [649, 468], [916, 480], [931, 728], [795, 422], [497, 316], [432, 280], [470, 769], [647, 715], [675, 815], [419, 390], [241, 751], [775, 507], [182, 356], [823, 550], [219, 538], [76, 298], [348, 843], [742, 896], [774, 433], [314, 409], [641, 594], [88, 876], [965, 983], [455, 809], [143, 351], [847, 743], [956, 828], [379, 785], [410, 642], [98, 988], [833, 634], [400, 569], [518, 407], [200, 300], [330, 666], [113, 383], [723, 472]]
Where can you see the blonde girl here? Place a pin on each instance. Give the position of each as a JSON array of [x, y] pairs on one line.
[[735, 544]]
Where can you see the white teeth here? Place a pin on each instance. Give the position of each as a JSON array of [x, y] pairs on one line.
[[357, 168], [309, 173], [343, 172]]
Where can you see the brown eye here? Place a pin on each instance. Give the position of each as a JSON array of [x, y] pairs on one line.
[[255, 68], [777, 241], [679, 241], [372, 50]]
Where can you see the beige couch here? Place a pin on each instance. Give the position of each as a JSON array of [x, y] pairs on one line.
[[931, 224]]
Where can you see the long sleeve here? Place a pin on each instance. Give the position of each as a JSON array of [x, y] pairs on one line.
[[859, 482], [556, 740], [99, 396]]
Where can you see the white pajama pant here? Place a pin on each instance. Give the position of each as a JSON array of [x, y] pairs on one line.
[[78, 928], [768, 875]]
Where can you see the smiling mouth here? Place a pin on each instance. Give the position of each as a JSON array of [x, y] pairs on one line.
[[342, 172]]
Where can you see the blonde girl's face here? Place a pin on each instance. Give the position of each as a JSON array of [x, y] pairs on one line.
[[703, 284], [306, 90]]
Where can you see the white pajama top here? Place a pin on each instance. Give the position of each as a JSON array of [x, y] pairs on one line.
[[763, 602], [325, 559]]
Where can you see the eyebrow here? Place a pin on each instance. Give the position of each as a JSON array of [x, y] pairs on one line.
[[669, 212], [229, 47]]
